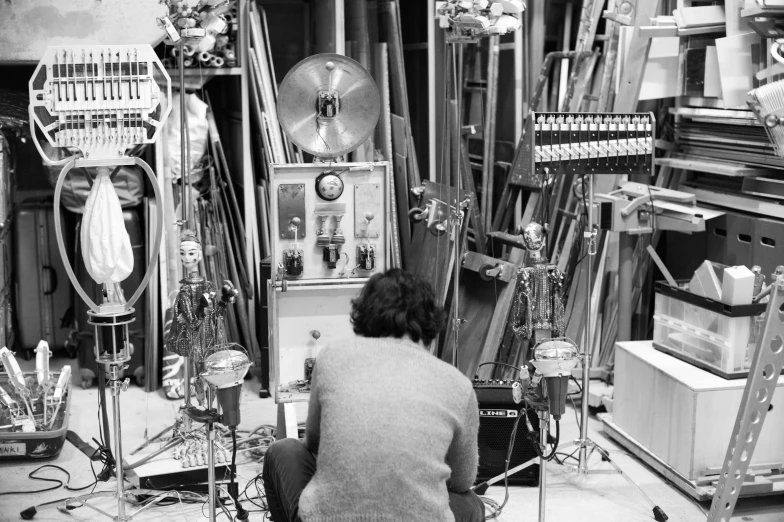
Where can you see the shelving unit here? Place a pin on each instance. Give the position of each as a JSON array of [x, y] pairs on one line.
[[195, 72]]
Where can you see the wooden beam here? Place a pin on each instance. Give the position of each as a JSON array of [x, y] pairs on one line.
[[636, 57]]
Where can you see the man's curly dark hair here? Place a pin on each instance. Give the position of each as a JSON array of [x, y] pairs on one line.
[[397, 303]]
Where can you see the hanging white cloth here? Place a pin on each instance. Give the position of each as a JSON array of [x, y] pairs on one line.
[[106, 246]]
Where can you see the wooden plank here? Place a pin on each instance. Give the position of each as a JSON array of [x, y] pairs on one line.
[[389, 32], [589, 23], [266, 89], [636, 57], [698, 493], [431, 256], [489, 131], [479, 306], [251, 239], [743, 203], [699, 164], [400, 227], [701, 16], [475, 216]]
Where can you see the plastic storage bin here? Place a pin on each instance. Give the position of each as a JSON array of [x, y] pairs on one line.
[[16, 445], [714, 336]]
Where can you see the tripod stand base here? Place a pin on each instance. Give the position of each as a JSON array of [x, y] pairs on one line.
[[68, 505], [658, 513]]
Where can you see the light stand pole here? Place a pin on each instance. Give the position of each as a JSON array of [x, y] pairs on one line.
[[111, 342], [583, 443], [185, 205], [544, 423], [457, 227], [590, 236], [211, 456]]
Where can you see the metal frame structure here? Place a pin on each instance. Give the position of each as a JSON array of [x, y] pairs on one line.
[[761, 384]]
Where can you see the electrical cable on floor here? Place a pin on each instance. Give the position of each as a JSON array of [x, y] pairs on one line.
[[32, 475], [495, 507], [498, 364]]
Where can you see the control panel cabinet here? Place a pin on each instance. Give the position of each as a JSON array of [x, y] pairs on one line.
[[330, 232]]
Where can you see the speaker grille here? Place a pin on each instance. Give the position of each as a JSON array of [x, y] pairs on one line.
[[496, 422]]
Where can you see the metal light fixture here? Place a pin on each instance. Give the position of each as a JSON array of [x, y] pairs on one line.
[[555, 359]]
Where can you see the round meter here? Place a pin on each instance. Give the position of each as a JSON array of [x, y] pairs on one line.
[[329, 186]]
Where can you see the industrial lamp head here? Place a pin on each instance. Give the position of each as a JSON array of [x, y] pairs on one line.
[[226, 369], [555, 359]]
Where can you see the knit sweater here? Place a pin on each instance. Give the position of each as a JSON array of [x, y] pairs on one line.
[[393, 427]]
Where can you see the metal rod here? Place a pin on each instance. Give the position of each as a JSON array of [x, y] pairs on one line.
[[544, 421], [210, 458], [457, 57], [118, 459], [186, 391], [456, 279], [183, 155], [582, 466]]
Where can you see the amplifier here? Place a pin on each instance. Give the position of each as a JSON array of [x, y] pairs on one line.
[[497, 416]]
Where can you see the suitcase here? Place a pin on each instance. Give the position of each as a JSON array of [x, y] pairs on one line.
[[88, 367], [43, 291]]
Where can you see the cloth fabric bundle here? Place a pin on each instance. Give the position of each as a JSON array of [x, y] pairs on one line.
[[106, 246]]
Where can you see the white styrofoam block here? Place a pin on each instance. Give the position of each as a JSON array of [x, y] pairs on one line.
[[705, 282], [737, 287]]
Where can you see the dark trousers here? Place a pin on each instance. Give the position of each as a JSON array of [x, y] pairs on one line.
[[289, 466]]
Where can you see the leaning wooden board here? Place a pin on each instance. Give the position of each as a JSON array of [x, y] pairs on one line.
[[432, 256], [484, 304], [390, 32]]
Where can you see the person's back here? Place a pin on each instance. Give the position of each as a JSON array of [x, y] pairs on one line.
[[382, 418], [391, 433]]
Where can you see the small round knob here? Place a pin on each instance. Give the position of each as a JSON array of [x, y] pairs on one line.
[[369, 216], [315, 334], [295, 222], [330, 66]]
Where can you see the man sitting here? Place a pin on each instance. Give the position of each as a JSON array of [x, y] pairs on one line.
[[391, 433]]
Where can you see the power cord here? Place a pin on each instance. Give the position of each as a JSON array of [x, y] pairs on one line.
[[242, 513], [33, 476]]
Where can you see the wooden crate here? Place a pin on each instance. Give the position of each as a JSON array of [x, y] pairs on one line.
[[684, 415]]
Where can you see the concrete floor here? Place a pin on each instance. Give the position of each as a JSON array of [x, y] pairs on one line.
[[605, 498]]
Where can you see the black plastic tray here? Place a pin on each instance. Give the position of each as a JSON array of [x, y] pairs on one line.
[[662, 287], [15, 445]]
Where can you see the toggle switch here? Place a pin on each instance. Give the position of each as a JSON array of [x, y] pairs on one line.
[[331, 255], [293, 262], [322, 238], [366, 257], [338, 238]]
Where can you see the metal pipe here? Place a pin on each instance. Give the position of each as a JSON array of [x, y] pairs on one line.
[[186, 391], [210, 458], [183, 186], [457, 57], [118, 459], [456, 278], [544, 421], [582, 466]]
